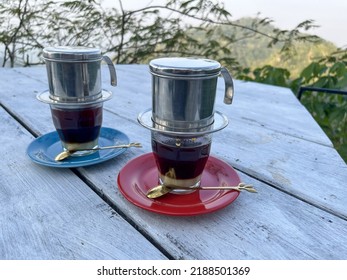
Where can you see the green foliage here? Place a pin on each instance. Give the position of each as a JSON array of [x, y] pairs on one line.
[[130, 36], [26, 26], [266, 75], [329, 110]]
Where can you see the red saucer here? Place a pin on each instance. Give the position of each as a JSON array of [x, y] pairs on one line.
[[140, 174]]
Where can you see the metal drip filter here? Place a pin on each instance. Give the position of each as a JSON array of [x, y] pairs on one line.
[[183, 93], [74, 75]]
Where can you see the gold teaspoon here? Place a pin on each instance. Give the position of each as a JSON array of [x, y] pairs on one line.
[[66, 154], [161, 190]]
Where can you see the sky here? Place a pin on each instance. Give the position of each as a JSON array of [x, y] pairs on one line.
[[329, 15]]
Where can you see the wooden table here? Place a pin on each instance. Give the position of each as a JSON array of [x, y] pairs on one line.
[[299, 212]]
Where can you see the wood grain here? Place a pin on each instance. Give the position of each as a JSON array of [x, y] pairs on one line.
[[47, 213], [300, 211]]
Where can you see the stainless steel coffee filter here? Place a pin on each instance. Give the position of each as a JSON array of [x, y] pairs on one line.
[[184, 91], [74, 73]]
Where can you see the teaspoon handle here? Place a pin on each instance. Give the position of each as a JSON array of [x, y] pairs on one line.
[[137, 145], [248, 188], [239, 187]]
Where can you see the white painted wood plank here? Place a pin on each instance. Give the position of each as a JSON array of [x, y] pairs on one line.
[[269, 225], [47, 213], [314, 173], [274, 108]]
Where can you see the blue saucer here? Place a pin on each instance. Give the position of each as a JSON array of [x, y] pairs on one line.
[[44, 149]]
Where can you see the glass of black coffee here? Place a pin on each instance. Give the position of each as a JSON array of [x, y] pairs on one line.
[[78, 126], [180, 160]]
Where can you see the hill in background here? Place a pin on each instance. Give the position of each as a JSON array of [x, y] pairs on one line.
[[253, 51]]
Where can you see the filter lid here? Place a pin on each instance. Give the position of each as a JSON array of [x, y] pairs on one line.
[[184, 67], [71, 53]]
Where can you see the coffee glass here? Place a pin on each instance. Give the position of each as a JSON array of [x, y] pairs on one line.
[[180, 160], [78, 126]]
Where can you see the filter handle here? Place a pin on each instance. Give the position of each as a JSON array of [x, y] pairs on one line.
[[112, 70], [229, 86]]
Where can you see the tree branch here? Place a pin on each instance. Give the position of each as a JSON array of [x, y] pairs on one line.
[[228, 23]]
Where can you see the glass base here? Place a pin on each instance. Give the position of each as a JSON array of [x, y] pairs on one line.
[[81, 146], [189, 185]]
